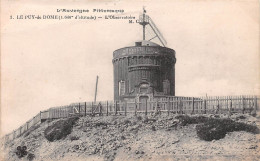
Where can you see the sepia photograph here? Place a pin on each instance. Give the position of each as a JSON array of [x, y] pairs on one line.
[[140, 80]]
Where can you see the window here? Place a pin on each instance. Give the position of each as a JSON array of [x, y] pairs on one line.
[[166, 87], [144, 88], [121, 88]]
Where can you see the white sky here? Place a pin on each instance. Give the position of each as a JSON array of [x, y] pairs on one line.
[[47, 63]]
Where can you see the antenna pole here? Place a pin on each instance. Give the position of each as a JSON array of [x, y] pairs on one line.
[[143, 24], [146, 20]]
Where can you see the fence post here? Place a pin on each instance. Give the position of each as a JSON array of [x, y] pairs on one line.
[[230, 107], [138, 104], [253, 113], [181, 106], [79, 109], [173, 105], [107, 108], [145, 107], [135, 107], [158, 108], [243, 106], [41, 116], [92, 109], [205, 107], [100, 109], [125, 107], [192, 105], [168, 105], [217, 110], [177, 105], [116, 108], [85, 108]]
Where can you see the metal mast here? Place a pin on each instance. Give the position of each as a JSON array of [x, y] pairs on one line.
[[146, 20]]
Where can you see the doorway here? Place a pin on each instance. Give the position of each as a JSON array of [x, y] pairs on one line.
[[143, 100]]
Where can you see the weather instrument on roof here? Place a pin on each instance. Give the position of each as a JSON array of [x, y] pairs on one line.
[[150, 31]]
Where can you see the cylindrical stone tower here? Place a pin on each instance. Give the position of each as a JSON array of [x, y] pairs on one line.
[[144, 69]]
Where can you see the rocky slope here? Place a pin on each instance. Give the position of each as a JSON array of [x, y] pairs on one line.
[[135, 138]]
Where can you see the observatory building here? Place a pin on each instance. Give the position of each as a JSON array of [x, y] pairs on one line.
[[146, 69]]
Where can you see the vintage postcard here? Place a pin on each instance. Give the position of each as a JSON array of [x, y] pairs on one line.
[[130, 80]]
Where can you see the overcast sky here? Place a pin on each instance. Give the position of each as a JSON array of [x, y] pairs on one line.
[[47, 63]]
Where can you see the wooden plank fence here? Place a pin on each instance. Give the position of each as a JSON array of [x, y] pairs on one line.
[[172, 104]]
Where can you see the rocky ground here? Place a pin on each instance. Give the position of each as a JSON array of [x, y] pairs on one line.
[[137, 138]]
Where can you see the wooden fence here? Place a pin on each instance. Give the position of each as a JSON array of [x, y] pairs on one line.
[[175, 105]]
